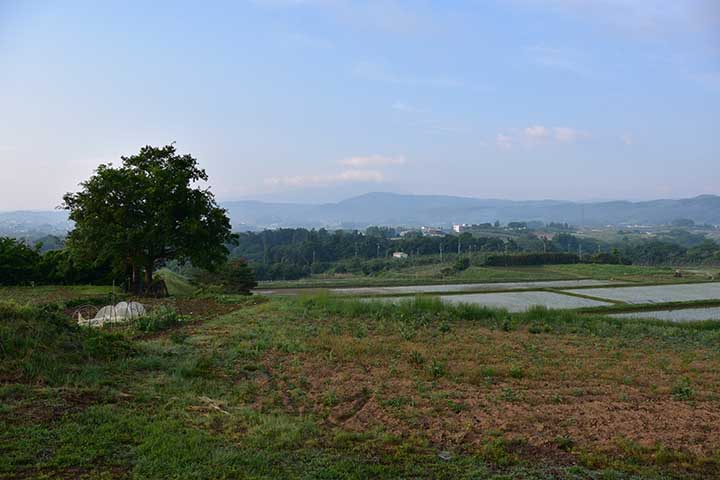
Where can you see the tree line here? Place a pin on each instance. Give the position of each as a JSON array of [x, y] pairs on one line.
[[291, 253]]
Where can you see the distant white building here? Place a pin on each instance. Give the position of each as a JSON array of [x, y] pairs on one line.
[[469, 227], [432, 232], [400, 255]]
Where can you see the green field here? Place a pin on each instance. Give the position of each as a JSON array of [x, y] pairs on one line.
[[433, 274], [320, 387], [177, 285], [53, 293]]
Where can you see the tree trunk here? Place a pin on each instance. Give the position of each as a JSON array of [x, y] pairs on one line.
[[149, 273], [134, 279]]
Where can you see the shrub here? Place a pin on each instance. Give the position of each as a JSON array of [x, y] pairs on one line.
[[517, 372], [461, 264], [682, 390], [235, 276], [564, 442], [160, 318], [522, 259], [416, 358], [438, 368], [18, 262], [41, 344]]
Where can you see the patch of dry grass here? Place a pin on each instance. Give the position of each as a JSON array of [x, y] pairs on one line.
[[461, 386]]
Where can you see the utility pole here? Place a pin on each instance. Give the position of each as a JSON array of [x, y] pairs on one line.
[[313, 257], [458, 246], [378, 251], [264, 237], [441, 252]]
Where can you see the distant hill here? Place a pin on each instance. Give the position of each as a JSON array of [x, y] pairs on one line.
[[34, 224], [416, 210], [442, 210]]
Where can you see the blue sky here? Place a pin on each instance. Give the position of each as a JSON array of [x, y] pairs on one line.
[[318, 100]]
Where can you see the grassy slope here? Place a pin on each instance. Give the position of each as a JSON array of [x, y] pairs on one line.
[[321, 388], [177, 285]]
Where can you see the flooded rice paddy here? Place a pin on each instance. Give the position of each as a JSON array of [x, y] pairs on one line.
[[511, 301], [470, 287], [525, 297], [656, 293], [522, 301], [684, 315]]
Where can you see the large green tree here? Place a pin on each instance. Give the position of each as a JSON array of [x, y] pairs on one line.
[[18, 262], [147, 210]]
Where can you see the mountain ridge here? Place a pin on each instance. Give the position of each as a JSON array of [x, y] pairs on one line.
[[385, 208], [395, 209]]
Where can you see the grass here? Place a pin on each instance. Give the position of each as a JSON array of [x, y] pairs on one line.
[[620, 307], [177, 285], [432, 274], [54, 293], [322, 387]]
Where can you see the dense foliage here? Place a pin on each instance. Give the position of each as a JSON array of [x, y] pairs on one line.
[[531, 259], [289, 254], [22, 265], [40, 345], [235, 276], [18, 262], [146, 211]]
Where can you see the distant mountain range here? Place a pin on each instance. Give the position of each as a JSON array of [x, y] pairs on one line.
[[442, 210], [417, 210], [34, 224]]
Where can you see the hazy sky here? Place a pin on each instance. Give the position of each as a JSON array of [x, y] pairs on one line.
[[322, 99]]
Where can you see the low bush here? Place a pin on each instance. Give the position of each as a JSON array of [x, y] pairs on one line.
[[682, 390], [160, 318], [526, 259], [40, 343], [461, 264]]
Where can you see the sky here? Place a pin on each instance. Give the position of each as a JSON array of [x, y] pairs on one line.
[[320, 100]]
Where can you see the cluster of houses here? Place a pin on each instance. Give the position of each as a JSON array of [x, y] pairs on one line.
[[424, 231]]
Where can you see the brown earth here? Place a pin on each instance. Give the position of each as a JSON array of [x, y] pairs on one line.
[[603, 396]]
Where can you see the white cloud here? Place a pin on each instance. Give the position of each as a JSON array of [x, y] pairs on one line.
[[504, 141], [557, 58], [348, 176], [405, 107], [358, 169], [379, 73], [567, 134], [537, 131], [428, 120], [559, 134], [372, 161], [536, 134], [627, 139]]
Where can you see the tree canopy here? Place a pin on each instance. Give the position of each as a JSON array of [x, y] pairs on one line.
[[18, 262], [147, 210]]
